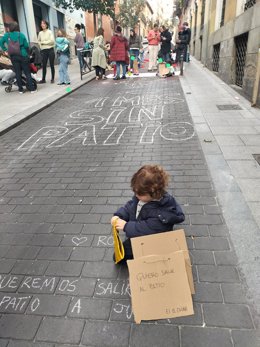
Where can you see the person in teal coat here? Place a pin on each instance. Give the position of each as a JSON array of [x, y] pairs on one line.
[[20, 59], [63, 52]]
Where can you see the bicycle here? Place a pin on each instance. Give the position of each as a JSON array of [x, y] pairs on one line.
[[86, 55]]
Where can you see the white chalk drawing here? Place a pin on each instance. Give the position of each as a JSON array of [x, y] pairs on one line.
[[105, 241], [177, 131], [134, 101], [85, 133], [13, 303], [124, 309], [117, 288], [38, 283], [9, 282], [128, 112], [79, 240], [35, 304], [17, 302], [41, 135], [67, 286], [98, 102], [76, 307]]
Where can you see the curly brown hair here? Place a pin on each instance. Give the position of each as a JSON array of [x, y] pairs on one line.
[[150, 179], [100, 32]]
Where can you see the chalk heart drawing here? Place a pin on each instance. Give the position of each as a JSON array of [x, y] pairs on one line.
[[79, 240]]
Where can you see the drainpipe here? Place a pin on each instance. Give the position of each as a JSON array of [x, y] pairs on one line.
[[30, 21], [257, 79], [208, 33]]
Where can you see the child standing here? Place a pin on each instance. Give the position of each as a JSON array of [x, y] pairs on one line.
[[63, 51], [152, 210]]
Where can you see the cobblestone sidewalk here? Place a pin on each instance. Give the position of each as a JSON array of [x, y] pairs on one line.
[[62, 175]]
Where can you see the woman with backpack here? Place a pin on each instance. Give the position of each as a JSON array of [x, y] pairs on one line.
[[63, 52], [16, 45], [47, 43]]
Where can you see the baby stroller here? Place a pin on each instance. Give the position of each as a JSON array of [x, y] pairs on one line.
[[35, 65], [12, 82]]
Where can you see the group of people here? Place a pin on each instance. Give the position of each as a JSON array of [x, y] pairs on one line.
[[123, 52], [15, 47], [119, 49], [160, 44]]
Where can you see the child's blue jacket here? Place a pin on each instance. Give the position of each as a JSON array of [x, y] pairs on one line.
[[155, 216]]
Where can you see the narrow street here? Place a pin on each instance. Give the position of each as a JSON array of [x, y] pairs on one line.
[[62, 175]]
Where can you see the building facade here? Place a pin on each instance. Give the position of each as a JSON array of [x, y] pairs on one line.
[[226, 39]]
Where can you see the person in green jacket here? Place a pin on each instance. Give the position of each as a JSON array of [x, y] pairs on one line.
[[19, 55]]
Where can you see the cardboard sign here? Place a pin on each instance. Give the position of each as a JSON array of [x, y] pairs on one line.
[[163, 243], [159, 287], [163, 70], [135, 65]]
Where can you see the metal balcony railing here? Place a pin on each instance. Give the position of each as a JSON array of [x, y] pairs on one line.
[[249, 3], [215, 63], [241, 49]]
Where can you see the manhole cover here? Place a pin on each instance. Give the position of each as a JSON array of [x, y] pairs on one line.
[[228, 107], [257, 158]]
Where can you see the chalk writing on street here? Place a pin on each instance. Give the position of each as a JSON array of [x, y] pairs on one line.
[[109, 122]]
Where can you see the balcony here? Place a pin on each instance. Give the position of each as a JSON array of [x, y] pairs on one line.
[[249, 3]]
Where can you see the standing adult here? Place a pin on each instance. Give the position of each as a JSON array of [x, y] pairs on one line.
[[15, 43], [63, 52], [99, 60], [187, 32], [166, 38], [154, 39], [47, 43], [79, 41], [182, 44], [119, 52], [135, 45]]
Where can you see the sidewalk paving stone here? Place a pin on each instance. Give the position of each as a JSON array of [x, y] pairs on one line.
[[116, 334], [29, 344], [19, 326], [227, 315], [243, 338], [60, 330], [206, 337], [153, 335]]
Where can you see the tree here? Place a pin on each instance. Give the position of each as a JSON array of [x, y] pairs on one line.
[[130, 12], [105, 7]]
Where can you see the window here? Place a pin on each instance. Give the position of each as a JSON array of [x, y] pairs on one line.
[[241, 49], [9, 11], [60, 19], [215, 63], [41, 11], [38, 17]]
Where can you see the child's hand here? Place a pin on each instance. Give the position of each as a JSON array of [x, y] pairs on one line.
[[113, 219], [120, 223]]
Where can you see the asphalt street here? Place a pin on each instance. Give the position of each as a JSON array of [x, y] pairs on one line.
[[62, 175]]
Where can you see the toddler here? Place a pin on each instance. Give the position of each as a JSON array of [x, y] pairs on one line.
[[151, 210]]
